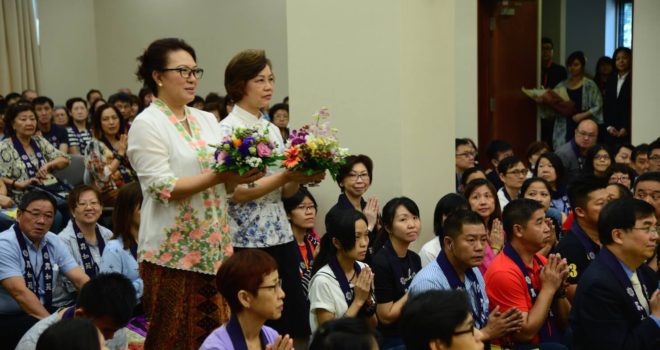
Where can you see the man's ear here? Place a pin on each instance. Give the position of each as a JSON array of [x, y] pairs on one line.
[[579, 212]]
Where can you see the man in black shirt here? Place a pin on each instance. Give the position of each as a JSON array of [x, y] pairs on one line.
[[55, 134], [551, 75], [580, 245]]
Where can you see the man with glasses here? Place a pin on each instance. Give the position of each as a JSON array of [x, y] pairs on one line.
[[573, 152], [31, 258], [647, 188], [512, 173], [654, 156], [465, 155], [457, 267], [617, 305]]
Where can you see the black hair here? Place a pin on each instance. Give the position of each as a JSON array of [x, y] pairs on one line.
[[347, 333], [621, 214], [144, 91], [647, 176], [12, 112], [623, 190], [518, 212], [388, 213], [120, 97], [508, 163], [225, 102], [347, 167], [70, 334], [621, 168], [619, 49], [467, 173], [534, 148], [294, 201], [530, 181], [642, 149], [580, 188], [546, 40], [448, 204], [577, 55], [197, 99], [213, 97], [70, 102], [619, 146], [556, 164], [12, 95], [276, 107], [473, 186], [340, 224], [433, 315], [598, 77], [91, 91], [591, 154], [654, 145], [453, 226], [497, 146], [108, 294], [462, 141], [154, 58], [36, 195], [39, 100]]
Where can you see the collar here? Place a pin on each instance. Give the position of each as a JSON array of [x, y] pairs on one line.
[[29, 242], [246, 116], [623, 77], [626, 269]]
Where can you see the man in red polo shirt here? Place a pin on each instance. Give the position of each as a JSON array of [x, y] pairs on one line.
[[520, 277]]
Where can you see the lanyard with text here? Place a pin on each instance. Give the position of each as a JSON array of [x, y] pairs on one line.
[[478, 313], [236, 335], [546, 333], [29, 167], [589, 246], [90, 266], [341, 278], [613, 264], [31, 279]]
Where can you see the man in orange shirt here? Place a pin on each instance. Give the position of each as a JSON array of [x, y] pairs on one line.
[[520, 277]]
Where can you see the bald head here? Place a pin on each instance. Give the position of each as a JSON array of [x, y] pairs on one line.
[[586, 133]]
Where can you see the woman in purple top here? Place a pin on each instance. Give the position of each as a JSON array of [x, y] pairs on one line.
[[250, 283]]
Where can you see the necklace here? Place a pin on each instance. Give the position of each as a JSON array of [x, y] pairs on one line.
[[185, 117]]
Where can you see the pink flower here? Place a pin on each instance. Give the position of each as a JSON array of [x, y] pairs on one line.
[[165, 258], [187, 216], [263, 150], [215, 238], [229, 250], [165, 194], [175, 237], [147, 255], [196, 234], [190, 259], [208, 203], [221, 157]]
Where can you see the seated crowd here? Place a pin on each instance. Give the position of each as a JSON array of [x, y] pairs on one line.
[[550, 249]]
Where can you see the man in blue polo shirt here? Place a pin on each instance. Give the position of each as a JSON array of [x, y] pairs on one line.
[[31, 259]]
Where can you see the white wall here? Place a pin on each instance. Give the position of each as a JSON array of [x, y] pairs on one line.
[[465, 73], [646, 55], [100, 40]]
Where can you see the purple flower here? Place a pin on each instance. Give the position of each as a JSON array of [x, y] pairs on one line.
[[263, 150]]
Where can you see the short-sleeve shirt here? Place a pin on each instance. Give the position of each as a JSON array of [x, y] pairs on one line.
[[219, 339], [573, 251], [13, 265], [387, 287], [430, 251], [56, 136], [118, 259], [78, 139], [506, 286]]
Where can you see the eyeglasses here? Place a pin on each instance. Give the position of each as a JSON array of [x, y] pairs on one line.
[[355, 176], [619, 179], [602, 157], [654, 158], [519, 172], [38, 215], [91, 203], [655, 195], [186, 72], [467, 331], [647, 230], [274, 286], [586, 135], [305, 209], [466, 154]]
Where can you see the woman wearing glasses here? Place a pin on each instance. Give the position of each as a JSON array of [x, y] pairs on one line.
[[184, 235], [258, 219], [253, 289]]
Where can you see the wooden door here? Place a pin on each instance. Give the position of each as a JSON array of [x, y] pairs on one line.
[[507, 49]]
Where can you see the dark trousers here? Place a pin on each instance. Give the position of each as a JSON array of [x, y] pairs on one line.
[[295, 316], [12, 328]]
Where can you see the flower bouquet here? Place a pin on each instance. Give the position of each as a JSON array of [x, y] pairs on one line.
[[314, 148], [245, 149]]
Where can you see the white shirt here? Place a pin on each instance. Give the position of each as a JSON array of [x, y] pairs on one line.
[[619, 82], [501, 196], [190, 234], [430, 251], [325, 293], [263, 221]]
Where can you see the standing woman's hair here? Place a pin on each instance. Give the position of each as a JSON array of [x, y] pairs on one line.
[[340, 224], [448, 204], [244, 66], [473, 186], [70, 334], [128, 200], [154, 58]]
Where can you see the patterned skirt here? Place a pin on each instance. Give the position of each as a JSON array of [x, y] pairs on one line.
[[183, 307]]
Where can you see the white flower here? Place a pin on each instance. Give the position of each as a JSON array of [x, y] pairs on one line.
[[253, 161]]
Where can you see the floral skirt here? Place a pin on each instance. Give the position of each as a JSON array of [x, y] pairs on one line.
[[183, 307]]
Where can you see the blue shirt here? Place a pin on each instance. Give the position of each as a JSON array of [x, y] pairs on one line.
[[431, 277], [13, 265], [117, 259], [629, 273]]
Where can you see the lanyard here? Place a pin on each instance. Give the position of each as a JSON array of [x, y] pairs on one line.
[[477, 299], [32, 280], [546, 333], [590, 247], [402, 282], [31, 170], [90, 266], [81, 140], [613, 264], [341, 278], [124, 168], [236, 335]]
